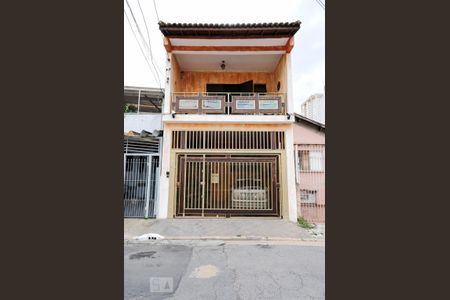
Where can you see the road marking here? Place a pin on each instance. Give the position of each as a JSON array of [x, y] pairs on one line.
[[205, 271]]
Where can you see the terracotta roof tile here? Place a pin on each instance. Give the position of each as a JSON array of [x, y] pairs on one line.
[[226, 29]]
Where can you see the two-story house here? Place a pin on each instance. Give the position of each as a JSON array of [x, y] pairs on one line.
[[228, 121]]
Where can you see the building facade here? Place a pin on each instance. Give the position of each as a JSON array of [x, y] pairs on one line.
[[142, 150], [309, 155], [228, 121], [314, 108]]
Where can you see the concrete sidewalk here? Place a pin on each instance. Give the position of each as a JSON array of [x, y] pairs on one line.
[[217, 229]]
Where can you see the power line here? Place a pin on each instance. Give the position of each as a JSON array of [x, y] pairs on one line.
[[154, 5], [142, 51], [149, 43], [144, 41], [321, 4]]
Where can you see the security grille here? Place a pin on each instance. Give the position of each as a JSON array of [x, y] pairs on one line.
[[269, 140], [227, 185], [140, 184], [140, 145], [310, 181]]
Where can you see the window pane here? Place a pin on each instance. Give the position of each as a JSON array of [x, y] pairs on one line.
[[304, 160], [315, 158]]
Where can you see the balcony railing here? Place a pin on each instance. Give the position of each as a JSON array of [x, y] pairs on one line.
[[229, 103]]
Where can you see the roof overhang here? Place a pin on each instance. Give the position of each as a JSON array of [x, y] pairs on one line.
[[255, 47], [260, 37], [246, 30]]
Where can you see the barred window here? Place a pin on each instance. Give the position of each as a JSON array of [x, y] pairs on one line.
[[310, 160], [308, 196]]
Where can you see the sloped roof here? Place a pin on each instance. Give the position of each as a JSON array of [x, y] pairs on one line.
[[227, 30], [318, 125]]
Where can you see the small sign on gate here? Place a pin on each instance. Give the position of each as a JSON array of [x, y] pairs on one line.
[[214, 177]]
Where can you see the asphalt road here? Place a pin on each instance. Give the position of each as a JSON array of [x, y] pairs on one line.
[[224, 270]]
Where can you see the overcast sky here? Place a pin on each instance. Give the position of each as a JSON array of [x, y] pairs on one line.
[[308, 56]]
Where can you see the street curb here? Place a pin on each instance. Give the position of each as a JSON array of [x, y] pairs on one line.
[[227, 238]]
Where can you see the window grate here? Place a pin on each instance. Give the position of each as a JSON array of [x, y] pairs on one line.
[[266, 140], [138, 145]]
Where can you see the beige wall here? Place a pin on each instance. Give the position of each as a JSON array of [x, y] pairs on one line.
[[167, 190]]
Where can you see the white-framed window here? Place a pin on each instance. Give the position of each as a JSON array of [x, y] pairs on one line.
[[308, 196], [311, 160]]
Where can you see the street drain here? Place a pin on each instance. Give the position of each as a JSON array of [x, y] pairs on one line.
[[140, 255]]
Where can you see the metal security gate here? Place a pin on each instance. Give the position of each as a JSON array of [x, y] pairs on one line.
[[310, 181], [228, 185], [140, 184]]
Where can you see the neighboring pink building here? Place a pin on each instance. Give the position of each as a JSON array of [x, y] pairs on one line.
[[309, 154]]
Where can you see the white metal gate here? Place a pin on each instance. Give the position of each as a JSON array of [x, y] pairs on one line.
[[141, 173]]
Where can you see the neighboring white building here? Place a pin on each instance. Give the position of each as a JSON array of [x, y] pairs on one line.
[[142, 127], [314, 108]]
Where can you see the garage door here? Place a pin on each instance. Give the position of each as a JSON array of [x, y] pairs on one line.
[[228, 185]]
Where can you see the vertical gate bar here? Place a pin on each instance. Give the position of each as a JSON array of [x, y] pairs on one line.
[[237, 184], [251, 177], [222, 182], [188, 183], [203, 185], [247, 175], [136, 192], [264, 184], [269, 165], [196, 184], [125, 180], [149, 174], [133, 186], [195, 181], [184, 185], [133, 196], [232, 185], [220, 185], [258, 185], [133, 171], [216, 192], [208, 180], [269, 192], [227, 184], [156, 204], [141, 191], [191, 180], [225, 173], [241, 170]]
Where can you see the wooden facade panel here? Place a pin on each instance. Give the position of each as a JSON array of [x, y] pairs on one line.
[[189, 81], [197, 81], [280, 75]]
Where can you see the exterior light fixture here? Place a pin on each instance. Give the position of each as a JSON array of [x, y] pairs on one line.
[[173, 114], [288, 116], [222, 66]]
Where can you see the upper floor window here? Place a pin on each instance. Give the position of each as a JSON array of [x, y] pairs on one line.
[[311, 160]]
